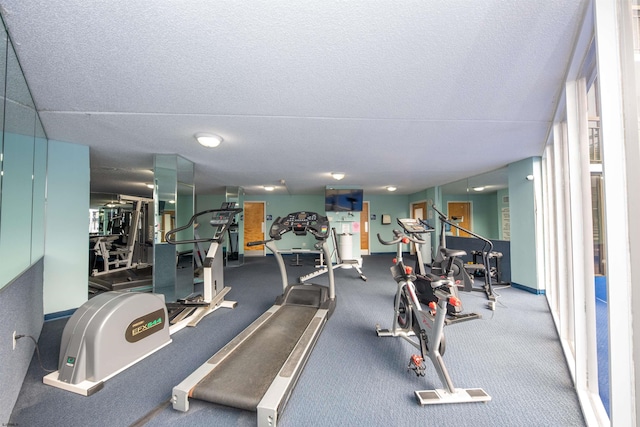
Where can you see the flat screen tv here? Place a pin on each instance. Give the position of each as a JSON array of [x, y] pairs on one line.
[[343, 200]]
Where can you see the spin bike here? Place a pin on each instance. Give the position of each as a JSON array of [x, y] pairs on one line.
[[426, 295], [423, 328]]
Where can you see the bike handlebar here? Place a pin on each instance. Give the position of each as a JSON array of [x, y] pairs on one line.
[[401, 237]]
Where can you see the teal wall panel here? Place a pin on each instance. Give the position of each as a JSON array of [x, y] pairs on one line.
[[15, 224], [66, 265], [523, 227]]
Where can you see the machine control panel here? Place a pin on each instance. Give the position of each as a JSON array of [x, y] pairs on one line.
[[220, 220], [301, 223], [414, 226]]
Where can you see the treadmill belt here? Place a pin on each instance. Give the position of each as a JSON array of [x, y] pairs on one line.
[[243, 378]]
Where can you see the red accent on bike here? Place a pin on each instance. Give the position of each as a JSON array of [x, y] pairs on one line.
[[408, 270], [395, 260], [405, 240], [416, 360], [455, 302], [432, 305]]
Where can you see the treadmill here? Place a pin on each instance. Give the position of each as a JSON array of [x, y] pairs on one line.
[[276, 346]]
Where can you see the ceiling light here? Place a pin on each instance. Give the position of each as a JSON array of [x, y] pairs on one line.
[[391, 188], [478, 188], [529, 177], [208, 139], [269, 187], [337, 175]]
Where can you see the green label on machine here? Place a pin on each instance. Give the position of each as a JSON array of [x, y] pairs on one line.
[[144, 326]]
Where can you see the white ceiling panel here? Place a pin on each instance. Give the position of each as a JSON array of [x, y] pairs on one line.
[[411, 94]]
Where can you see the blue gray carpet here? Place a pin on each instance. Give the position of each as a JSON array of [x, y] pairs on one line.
[[353, 377]]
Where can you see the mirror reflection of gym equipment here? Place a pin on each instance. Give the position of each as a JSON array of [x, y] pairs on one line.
[[116, 329], [119, 253], [463, 272]]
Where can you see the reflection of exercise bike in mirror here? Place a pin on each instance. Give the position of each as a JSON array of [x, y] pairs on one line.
[[461, 272], [423, 328]]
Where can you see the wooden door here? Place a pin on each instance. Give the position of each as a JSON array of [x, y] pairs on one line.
[[460, 213], [364, 229], [254, 228]]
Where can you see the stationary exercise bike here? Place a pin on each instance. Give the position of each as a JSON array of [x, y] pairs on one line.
[[417, 228], [423, 328]]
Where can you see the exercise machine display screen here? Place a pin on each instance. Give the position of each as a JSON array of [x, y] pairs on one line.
[[413, 226], [221, 219], [301, 223]]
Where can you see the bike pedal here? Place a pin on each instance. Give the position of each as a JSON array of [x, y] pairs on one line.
[[416, 365]]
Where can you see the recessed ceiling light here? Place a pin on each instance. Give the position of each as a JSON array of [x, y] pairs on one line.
[[208, 140], [337, 175], [391, 188], [478, 188], [269, 187]]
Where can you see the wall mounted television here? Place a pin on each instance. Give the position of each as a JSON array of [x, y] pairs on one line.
[[343, 199]]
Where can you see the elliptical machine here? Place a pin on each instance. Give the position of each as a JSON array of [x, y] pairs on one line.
[[188, 311], [423, 328], [116, 329]]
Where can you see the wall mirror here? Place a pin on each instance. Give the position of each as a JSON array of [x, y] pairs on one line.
[[234, 251], [173, 197], [23, 157], [479, 203]]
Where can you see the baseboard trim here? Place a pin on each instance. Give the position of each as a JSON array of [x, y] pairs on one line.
[[528, 289], [59, 315]]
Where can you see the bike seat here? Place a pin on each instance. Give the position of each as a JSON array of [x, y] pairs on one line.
[[448, 253]]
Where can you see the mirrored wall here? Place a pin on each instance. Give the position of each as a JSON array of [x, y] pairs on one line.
[[23, 160], [173, 196], [480, 204], [235, 251]]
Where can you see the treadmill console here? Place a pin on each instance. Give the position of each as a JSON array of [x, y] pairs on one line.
[[221, 219], [414, 226], [301, 223]]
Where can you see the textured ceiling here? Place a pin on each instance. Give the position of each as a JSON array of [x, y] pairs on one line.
[[411, 94]]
